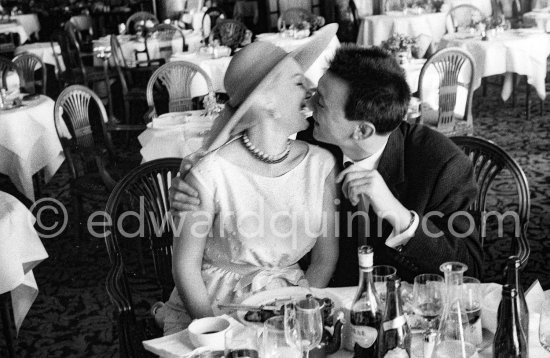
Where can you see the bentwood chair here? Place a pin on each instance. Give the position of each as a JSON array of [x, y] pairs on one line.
[[394, 5], [503, 191], [136, 281], [169, 38], [84, 152], [294, 16], [6, 66], [27, 65], [175, 78], [83, 27], [230, 33], [449, 110], [140, 19], [463, 17], [210, 19]]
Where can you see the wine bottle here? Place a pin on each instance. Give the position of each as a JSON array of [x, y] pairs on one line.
[[512, 278], [365, 315], [510, 341], [394, 335]]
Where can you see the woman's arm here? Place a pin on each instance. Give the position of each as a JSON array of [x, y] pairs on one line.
[[324, 254], [191, 231]]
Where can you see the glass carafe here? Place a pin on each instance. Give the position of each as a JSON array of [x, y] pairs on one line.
[[453, 340]]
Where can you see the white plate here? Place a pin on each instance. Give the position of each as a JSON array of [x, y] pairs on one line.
[[261, 298]]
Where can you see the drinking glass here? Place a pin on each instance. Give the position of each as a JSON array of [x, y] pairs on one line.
[[274, 340], [428, 299], [544, 325], [309, 317], [381, 274], [471, 300], [241, 342]]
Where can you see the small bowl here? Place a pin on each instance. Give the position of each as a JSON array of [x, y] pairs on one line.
[[208, 332]]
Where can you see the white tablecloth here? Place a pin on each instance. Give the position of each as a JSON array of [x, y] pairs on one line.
[[375, 29], [522, 51], [29, 142], [175, 134], [16, 28], [44, 51], [20, 251], [29, 22], [539, 17], [178, 344]]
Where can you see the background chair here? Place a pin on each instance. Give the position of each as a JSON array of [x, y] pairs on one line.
[[135, 282], [140, 19], [6, 66], [85, 152], [8, 43], [27, 66], [83, 25], [210, 19], [394, 5], [230, 33], [455, 85], [492, 165], [169, 38], [176, 79], [463, 17], [294, 16]]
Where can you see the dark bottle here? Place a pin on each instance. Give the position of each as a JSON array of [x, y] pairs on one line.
[[365, 315], [512, 279], [510, 341], [394, 335]]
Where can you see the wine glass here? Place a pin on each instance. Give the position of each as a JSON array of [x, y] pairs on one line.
[[381, 274], [309, 317], [544, 325], [471, 298], [274, 340], [241, 341], [428, 290]]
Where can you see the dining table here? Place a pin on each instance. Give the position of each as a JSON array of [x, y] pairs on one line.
[[178, 345], [519, 51], [15, 27], [45, 52], [21, 250], [30, 23], [29, 141], [539, 18]]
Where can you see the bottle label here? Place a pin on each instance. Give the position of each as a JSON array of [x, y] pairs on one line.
[[364, 336], [397, 352], [394, 323]]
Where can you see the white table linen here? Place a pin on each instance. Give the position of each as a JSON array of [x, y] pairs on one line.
[[20, 251], [522, 51], [215, 68], [29, 22], [29, 143], [539, 17], [174, 135], [178, 344], [44, 51], [373, 30], [16, 28]]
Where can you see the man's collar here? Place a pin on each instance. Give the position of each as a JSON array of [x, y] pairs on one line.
[[370, 162]]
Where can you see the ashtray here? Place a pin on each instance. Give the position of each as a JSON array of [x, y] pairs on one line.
[[31, 97]]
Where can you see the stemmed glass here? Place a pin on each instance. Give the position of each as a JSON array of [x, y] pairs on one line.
[[428, 291], [309, 318], [381, 274], [275, 343]]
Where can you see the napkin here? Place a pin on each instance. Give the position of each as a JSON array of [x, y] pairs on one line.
[[178, 345]]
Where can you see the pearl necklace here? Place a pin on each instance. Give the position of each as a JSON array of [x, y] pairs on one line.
[[269, 159]]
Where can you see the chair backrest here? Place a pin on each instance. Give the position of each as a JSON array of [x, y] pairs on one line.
[[294, 16], [73, 107], [394, 5], [84, 25], [463, 17], [176, 78], [69, 45], [496, 172], [6, 66], [171, 39], [124, 75], [141, 18], [144, 188], [451, 66], [210, 19], [230, 33], [27, 64], [8, 42]]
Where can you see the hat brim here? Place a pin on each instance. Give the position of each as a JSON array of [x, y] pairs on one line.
[[305, 56]]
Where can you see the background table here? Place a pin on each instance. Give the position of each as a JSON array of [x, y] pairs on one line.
[[20, 251], [16, 28], [522, 51], [45, 52], [29, 143], [540, 17], [29, 22], [375, 29]]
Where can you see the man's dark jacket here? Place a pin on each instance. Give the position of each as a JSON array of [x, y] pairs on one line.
[[427, 173]]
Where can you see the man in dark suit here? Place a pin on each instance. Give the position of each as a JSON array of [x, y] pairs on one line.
[[411, 185]]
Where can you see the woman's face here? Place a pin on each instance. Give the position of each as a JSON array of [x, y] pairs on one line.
[[288, 94]]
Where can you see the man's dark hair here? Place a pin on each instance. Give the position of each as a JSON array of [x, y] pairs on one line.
[[378, 90]]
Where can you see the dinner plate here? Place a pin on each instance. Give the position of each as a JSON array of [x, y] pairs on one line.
[[284, 293]]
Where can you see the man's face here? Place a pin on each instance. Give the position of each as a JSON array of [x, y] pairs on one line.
[[331, 124]]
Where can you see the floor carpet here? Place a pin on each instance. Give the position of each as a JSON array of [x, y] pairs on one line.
[[72, 315]]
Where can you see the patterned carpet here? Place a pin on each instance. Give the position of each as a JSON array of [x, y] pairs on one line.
[[72, 315]]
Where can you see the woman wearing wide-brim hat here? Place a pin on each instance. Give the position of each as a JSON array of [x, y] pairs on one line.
[[265, 200]]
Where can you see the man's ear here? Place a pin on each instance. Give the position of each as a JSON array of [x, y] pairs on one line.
[[363, 130]]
